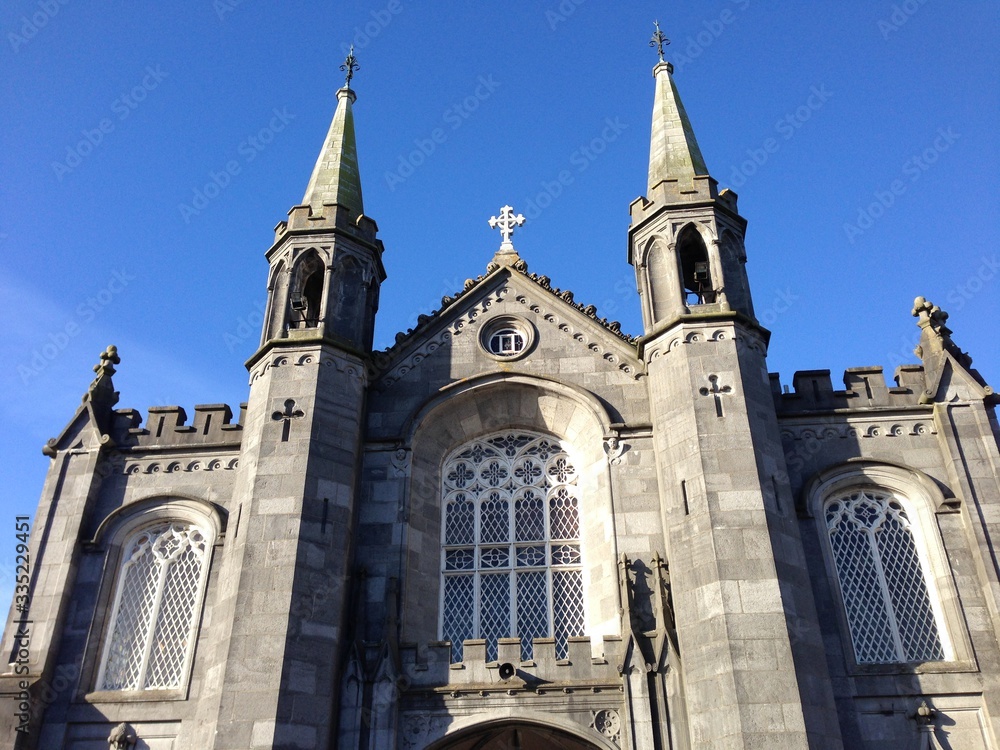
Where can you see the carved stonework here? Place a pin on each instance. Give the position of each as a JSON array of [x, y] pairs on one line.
[[122, 737], [400, 462], [614, 448], [419, 728], [607, 723]]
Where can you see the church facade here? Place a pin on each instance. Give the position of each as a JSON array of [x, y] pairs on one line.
[[520, 527]]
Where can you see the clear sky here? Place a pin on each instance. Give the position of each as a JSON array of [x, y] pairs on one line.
[[861, 137]]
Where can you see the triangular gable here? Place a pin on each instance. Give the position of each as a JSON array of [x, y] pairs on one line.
[[951, 381], [82, 430], [479, 295]]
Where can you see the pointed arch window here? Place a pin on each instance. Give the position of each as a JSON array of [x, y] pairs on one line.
[[882, 581], [158, 592], [306, 294], [511, 560], [695, 267]]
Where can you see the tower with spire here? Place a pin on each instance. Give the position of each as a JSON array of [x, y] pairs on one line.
[[288, 563], [732, 551]]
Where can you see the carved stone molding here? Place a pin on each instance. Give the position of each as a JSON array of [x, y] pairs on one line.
[[400, 462], [420, 353], [122, 737], [418, 729], [615, 448], [594, 345], [173, 467], [608, 723], [886, 429]]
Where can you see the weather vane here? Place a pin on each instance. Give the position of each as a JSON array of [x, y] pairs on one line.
[[658, 40], [351, 66]]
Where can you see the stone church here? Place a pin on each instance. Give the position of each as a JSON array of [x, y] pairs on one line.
[[520, 527]]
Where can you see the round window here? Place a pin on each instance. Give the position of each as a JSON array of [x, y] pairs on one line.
[[507, 337], [506, 341]]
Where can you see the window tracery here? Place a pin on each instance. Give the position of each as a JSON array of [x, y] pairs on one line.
[[158, 591], [882, 582], [511, 559]]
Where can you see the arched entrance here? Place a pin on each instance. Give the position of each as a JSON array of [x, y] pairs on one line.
[[513, 736]]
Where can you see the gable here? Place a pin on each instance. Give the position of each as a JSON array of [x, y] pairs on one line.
[[568, 344]]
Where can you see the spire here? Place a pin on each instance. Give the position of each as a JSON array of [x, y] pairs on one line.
[[335, 178], [673, 150]]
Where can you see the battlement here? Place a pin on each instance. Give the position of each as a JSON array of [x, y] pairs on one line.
[[588, 662], [166, 427], [865, 388]]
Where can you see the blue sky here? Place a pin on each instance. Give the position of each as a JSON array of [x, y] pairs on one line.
[[860, 136]]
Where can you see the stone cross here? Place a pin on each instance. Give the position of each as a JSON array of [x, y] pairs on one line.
[[716, 392], [506, 223], [286, 418]]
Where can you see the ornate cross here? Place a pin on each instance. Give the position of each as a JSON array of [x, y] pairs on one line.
[[658, 40], [716, 392], [286, 417], [351, 66], [507, 221]]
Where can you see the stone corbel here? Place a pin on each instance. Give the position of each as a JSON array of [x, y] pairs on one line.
[[122, 737]]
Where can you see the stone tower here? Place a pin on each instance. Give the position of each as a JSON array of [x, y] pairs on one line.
[[737, 574], [289, 550]]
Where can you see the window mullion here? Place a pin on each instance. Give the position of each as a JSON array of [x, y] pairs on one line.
[[154, 613], [886, 597]]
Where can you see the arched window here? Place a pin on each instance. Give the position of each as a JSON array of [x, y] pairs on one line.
[[695, 267], [511, 560], [306, 294], [882, 581], [158, 592]]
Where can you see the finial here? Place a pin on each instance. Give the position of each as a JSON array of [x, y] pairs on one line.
[[350, 66], [109, 358], [658, 40], [506, 223]]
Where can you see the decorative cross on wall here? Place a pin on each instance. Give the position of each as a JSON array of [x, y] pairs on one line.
[[716, 392], [286, 417], [506, 223]]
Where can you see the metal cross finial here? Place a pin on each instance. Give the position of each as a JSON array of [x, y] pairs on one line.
[[507, 221], [658, 40], [350, 66]]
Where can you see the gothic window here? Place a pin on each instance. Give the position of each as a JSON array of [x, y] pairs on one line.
[[158, 592], [511, 560], [306, 293], [695, 268], [882, 581]]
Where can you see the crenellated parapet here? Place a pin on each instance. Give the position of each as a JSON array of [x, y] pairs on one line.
[[588, 663], [167, 428], [864, 388]]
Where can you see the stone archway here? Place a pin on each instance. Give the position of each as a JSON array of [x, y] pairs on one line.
[[513, 736]]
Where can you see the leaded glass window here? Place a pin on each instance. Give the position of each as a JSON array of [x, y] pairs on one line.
[[511, 560], [882, 581], [159, 587]]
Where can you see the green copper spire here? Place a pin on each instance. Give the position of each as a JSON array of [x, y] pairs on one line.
[[673, 150], [335, 178]]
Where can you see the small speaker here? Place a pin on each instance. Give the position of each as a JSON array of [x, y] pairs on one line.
[[507, 671]]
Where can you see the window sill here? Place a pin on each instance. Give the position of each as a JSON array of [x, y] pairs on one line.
[[134, 696], [929, 667]]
